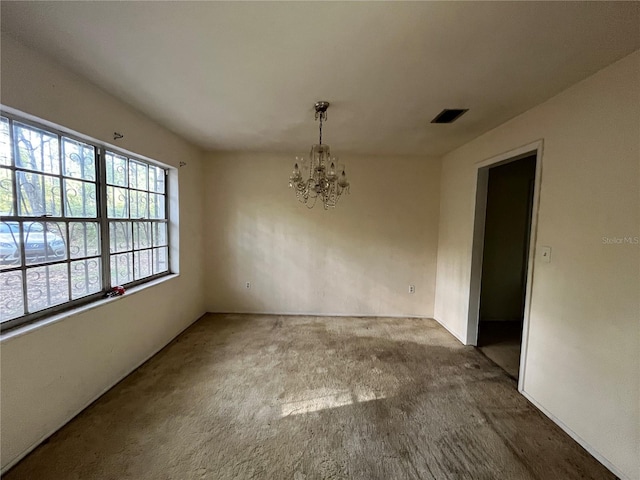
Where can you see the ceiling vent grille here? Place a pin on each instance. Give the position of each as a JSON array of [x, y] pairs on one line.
[[449, 115]]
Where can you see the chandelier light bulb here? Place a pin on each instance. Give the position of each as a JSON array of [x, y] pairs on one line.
[[343, 183], [331, 175], [295, 176]]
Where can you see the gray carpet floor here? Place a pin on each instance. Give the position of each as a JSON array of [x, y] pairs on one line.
[[501, 341], [301, 398]]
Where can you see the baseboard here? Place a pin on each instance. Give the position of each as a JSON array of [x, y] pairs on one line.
[[346, 315], [455, 334], [34, 445], [315, 314], [592, 451]]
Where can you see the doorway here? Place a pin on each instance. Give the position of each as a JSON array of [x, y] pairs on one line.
[[506, 198], [505, 261]]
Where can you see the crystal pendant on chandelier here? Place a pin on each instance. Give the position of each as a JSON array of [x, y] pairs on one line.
[[323, 181]]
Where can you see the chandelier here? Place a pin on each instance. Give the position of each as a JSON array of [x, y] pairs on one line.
[[322, 181]]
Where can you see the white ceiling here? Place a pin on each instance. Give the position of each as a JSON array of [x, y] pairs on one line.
[[244, 76]]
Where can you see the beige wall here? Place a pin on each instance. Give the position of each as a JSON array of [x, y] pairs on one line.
[[51, 373], [583, 362], [358, 259]]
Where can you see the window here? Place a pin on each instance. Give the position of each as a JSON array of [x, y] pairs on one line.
[[77, 219], [137, 221]]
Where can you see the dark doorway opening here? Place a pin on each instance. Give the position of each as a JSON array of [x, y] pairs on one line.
[[505, 260]]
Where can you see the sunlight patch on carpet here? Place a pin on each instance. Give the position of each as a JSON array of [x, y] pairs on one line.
[[323, 399]]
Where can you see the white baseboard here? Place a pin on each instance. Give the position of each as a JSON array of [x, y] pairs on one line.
[[455, 334], [315, 314], [576, 437], [35, 444]]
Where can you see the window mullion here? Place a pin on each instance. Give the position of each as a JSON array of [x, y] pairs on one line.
[[16, 194], [14, 154], [167, 216], [63, 193], [23, 267], [68, 248], [104, 221]]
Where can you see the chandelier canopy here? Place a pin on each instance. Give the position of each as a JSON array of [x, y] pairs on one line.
[[322, 181]]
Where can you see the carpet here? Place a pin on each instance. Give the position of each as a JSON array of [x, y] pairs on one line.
[[302, 398]]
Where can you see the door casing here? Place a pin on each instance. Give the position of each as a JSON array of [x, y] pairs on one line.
[[482, 175]]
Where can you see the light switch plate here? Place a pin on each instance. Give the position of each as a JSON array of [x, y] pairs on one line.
[[545, 254]]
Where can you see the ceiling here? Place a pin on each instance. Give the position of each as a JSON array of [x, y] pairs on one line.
[[244, 76]]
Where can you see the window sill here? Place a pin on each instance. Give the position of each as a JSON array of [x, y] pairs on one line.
[[57, 317]]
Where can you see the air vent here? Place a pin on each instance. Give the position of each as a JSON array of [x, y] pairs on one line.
[[449, 115]]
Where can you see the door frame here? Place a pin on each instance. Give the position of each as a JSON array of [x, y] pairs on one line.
[[482, 175]]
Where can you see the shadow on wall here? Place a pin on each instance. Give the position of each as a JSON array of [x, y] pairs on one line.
[[358, 258]]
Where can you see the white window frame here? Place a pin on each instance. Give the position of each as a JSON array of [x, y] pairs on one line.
[[101, 218]]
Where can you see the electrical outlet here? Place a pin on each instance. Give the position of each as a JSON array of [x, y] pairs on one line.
[[248, 285], [412, 289]]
